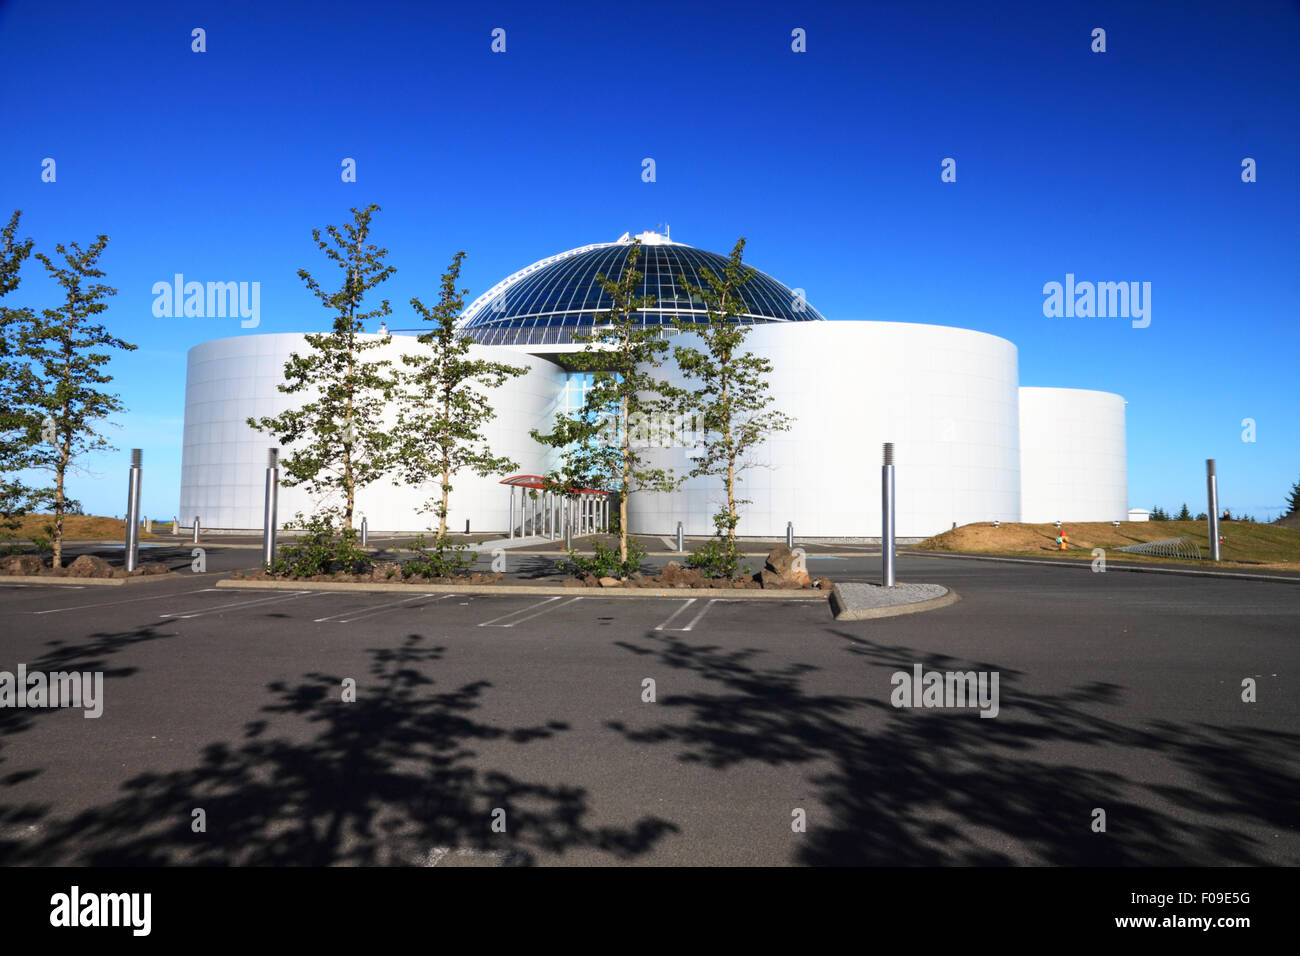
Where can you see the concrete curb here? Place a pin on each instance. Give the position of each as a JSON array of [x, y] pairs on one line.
[[841, 613], [1086, 564], [51, 579], [95, 582], [527, 589]]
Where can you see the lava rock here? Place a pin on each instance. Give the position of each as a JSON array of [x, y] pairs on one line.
[[21, 564], [89, 566]]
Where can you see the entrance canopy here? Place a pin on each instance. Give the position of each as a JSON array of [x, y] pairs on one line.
[[541, 483]]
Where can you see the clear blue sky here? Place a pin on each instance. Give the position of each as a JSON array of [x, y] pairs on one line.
[[1122, 166]]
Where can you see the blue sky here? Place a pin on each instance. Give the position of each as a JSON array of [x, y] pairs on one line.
[[1115, 166]]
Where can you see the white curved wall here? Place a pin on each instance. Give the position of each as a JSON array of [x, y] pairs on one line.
[[223, 464], [946, 397], [1073, 457], [970, 444]]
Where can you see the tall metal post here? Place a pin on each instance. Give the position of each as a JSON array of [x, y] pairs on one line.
[[1212, 493], [133, 512], [269, 506], [511, 532], [887, 517]]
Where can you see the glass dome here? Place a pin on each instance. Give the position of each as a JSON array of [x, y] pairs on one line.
[[551, 300]]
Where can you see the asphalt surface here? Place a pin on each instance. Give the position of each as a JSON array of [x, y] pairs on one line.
[[1117, 691]]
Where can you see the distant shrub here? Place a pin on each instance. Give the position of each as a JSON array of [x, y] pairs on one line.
[[605, 562], [716, 558], [322, 548], [444, 558]]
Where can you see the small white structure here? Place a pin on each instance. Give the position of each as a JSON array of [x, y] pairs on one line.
[[1139, 514]]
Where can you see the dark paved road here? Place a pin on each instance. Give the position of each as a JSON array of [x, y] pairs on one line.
[[1116, 691]]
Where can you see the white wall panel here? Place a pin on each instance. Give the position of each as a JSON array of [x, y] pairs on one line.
[[223, 463], [946, 397], [1073, 455]]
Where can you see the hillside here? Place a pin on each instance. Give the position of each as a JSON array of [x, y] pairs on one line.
[[1245, 544]]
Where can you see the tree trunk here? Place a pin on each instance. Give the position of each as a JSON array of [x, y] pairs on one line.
[[627, 476], [731, 468], [442, 510], [58, 509], [731, 501], [446, 466]]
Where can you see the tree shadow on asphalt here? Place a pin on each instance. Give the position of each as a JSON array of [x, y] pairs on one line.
[[386, 779], [92, 654], [918, 787]]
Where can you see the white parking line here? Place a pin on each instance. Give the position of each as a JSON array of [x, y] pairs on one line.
[[379, 609], [222, 607], [688, 602], [544, 604], [151, 597], [696, 619]]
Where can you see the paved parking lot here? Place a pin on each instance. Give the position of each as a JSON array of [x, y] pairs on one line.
[[1119, 692]]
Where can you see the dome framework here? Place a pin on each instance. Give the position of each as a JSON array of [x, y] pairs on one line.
[[552, 300]]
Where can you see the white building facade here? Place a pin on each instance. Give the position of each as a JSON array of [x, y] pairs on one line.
[[970, 443]]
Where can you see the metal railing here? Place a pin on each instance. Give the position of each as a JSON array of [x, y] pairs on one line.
[[1166, 548]]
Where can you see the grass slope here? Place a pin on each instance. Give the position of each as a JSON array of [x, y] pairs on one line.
[[1245, 544], [78, 528]]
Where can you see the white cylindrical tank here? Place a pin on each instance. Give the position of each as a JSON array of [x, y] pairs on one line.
[[1073, 457], [946, 397], [223, 463]]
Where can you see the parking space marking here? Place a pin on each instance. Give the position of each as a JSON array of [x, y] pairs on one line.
[[151, 597], [379, 609], [687, 603], [545, 605], [696, 619], [222, 607]]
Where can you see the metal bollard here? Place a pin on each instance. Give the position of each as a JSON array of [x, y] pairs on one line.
[[365, 533], [887, 517], [681, 539], [789, 534], [196, 529], [1212, 496], [269, 507], [133, 513]]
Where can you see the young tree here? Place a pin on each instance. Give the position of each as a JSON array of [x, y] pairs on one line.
[[16, 433], [63, 366], [1293, 499], [442, 411], [730, 395], [343, 444], [597, 441]]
